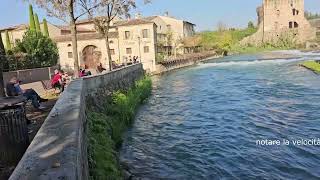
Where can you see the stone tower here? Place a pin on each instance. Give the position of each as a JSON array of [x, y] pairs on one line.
[[278, 18]]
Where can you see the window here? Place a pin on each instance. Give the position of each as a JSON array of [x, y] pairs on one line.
[[169, 26], [112, 52], [146, 49], [69, 54], [129, 51], [276, 25], [126, 34], [296, 25], [145, 33], [290, 25], [69, 45], [110, 42]]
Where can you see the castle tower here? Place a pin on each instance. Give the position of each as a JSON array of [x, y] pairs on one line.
[[278, 18]]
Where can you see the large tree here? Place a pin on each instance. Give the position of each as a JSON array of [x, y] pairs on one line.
[[103, 12], [45, 30], [8, 43], [67, 11], [2, 59], [37, 23], [32, 24]]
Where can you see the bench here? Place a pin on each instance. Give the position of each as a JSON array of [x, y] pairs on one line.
[[46, 84]]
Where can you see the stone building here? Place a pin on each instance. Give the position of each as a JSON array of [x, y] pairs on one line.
[[316, 24], [128, 38], [281, 19]]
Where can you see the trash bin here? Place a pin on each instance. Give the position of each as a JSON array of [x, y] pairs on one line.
[[14, 139]]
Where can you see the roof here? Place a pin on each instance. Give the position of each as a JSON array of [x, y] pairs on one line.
[[16, 27], [133, 22], [84, 36], [150, 18], [79, 29]]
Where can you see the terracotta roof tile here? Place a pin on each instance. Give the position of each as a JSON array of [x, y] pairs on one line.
[[132, 22]]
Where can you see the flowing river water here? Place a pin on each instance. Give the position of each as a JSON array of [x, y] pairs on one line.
[[203, 122]]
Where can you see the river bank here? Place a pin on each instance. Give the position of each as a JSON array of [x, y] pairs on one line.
[[312, 65], [107, 125]]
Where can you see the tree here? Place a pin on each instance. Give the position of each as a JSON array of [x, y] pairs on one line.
[[67, 11], [32, 24], [36, 19], [250, 25], [103, 12], [39, 50], [221, 26], [8, 43], [45, 28], [2, 59]]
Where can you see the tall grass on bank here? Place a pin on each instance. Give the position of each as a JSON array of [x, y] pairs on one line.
[[312, 65], [107, 125]]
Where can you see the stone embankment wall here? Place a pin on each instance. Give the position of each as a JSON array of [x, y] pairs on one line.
[[185, 61], [59, 150]]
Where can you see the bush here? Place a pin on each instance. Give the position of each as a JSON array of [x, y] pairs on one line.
[[107, 126], [39, 51]]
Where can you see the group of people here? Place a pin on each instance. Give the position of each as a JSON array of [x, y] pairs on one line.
[[59, 80], [13, 88]]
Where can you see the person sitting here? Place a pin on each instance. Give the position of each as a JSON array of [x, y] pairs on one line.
[[13, 89], [56, 81], [100, 68]]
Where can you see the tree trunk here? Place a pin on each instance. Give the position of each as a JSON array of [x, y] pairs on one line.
[[2, 58], [108, 48], [74, 39]]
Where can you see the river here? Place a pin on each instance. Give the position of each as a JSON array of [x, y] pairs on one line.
[[204, 122]]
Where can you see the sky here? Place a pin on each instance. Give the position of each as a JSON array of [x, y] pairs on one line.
[[204, 13]]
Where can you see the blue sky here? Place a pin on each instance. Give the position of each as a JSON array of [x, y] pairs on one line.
[[205, 13]]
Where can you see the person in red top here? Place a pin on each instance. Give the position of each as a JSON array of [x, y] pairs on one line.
[[56, 81]]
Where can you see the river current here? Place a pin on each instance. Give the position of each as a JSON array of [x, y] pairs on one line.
[[204, 122]]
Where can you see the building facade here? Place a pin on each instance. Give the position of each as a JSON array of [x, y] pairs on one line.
[[281, 19], [137, 37]]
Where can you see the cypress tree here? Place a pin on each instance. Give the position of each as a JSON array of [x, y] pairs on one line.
[[2, 59], [45, 28], [8, 44], [37, 23], [32, 24]]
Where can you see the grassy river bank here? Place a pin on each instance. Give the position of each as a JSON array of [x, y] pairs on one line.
[[106, 126]]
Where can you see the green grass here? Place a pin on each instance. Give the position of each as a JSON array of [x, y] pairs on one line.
[[229, 41], [224, 40], [312, 65], [106, 126]]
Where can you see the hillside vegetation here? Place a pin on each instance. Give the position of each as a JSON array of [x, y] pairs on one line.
[[225, 40], [228, 41]]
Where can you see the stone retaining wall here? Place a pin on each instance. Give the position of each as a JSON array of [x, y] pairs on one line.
[[184, 62], [59, 150]]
